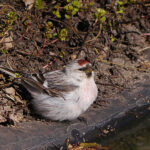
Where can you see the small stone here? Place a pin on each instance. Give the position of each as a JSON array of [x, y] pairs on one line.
[[10, 91]]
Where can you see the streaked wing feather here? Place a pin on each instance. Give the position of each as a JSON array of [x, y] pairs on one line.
[[34, 83], [57, 80], [36, 87]]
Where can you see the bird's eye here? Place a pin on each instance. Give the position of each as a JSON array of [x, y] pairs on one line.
[[86, 68], [83, 69], [87, 71]]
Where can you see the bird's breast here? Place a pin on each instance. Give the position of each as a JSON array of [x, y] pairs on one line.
[[88, 94]]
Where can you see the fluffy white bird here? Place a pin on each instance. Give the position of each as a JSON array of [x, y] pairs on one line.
[[61, 94]]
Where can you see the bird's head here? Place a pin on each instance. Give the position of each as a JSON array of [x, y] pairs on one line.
[[80, 66]]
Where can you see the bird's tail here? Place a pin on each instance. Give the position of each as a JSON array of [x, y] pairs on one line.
[[9, 72], [34, 84], [31, 84]]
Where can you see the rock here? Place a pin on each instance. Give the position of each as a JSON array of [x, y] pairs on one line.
[[10, 91]]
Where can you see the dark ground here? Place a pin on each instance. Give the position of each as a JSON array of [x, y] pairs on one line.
[[119, 51]]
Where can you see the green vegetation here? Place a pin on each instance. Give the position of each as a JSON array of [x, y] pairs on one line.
[[4, 51], [38, 4], [63, 34], [67, 10], [12, 17], [50, 30], [72, 8], [100, 15]]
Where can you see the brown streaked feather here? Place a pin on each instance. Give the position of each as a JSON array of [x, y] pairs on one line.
[[34, 83], [55, 81]]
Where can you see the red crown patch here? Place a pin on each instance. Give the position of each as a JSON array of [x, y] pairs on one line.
[[82, 62]]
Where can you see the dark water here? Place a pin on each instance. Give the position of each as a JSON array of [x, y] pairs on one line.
[[133, 136]]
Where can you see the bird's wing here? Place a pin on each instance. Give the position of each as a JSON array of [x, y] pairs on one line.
[[58, 80], [52, 83], [30, 82]]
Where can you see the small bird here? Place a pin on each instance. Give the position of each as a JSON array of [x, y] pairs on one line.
[[61, 94]]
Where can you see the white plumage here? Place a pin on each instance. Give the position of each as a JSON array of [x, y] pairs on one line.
[[63, 94]]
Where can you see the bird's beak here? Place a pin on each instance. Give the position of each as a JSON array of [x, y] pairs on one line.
[[88, 70]]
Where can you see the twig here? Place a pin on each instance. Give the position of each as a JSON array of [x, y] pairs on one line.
[[146, 48], [99, 32]]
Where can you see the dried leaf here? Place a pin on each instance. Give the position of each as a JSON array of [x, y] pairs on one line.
[[8, 39]]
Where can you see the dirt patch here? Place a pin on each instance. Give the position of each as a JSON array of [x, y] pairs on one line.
[[33, 40]]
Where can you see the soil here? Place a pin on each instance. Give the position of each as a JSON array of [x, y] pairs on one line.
[[118, 48]]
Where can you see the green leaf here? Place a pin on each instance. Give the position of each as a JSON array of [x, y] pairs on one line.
[[38, 4], [67, 16], [63, 34], [91, 3], [55, 34], [66, 7], [100, 14], [70, 7], [4, 51], [120, 11], [75, 10], [57, 14], [112, 38], [57, 6], [17, 75], [50, 24], [76, 3], [11, 16], [119, 2], [49, 35], [103, 19]]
